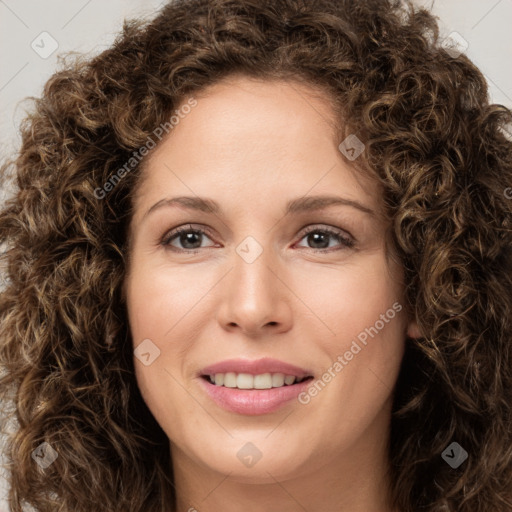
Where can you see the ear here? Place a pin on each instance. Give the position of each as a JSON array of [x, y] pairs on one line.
[[413, 331]]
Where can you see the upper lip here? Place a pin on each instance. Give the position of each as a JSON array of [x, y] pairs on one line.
[[255, 367]]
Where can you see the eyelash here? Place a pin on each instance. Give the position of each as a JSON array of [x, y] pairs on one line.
[[346, 242]]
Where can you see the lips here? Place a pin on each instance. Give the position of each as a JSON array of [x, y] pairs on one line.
[[253, 387], [258, 367]]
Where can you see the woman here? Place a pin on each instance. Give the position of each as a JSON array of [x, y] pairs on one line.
[[337, 335]]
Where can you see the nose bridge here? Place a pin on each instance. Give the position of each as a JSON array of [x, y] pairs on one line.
[[254, 296], [252, 270]]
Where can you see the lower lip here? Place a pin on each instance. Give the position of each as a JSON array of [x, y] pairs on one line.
[[253, 401]]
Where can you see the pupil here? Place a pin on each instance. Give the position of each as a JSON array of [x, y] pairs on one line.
[[316, 236], [188, 237]]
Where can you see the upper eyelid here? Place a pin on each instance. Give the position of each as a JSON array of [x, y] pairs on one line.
[[325, 227]]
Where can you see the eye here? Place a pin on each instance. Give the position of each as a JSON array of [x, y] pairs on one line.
[[319, 237], [189, 237]]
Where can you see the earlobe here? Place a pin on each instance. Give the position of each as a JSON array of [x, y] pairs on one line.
[[413, 331]]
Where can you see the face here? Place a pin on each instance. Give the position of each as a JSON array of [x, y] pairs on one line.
[[261, 284]]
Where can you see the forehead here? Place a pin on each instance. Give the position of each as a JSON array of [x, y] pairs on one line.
[[270, 137]]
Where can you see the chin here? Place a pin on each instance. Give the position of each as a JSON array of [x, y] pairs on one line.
[[263, 472], [252, 458]]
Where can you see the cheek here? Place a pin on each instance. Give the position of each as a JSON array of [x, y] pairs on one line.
[[364, 312], [351, 299], [362, 350], [165, 306], [158, 298], [158, 303]]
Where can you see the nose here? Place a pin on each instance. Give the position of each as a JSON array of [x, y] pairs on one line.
[[255, 296]]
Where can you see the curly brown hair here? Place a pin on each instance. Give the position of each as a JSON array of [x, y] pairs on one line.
[[432, 139]]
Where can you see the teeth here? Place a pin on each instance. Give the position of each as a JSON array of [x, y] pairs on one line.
[[230, 380], [289, 379], [244, 381], [263, 381], [277, 380], [248, 381]]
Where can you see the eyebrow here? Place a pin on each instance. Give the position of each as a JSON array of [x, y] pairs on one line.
[[299, 205]]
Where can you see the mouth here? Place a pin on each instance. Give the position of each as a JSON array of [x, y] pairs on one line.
[[259, 381], [254, 387]]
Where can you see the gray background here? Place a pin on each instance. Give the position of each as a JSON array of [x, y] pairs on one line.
[[89, 26]]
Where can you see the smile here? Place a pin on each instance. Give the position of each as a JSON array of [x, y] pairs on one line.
[[248, 381], [254, 387]]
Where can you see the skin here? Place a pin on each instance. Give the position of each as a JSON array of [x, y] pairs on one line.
[[252, 146]]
